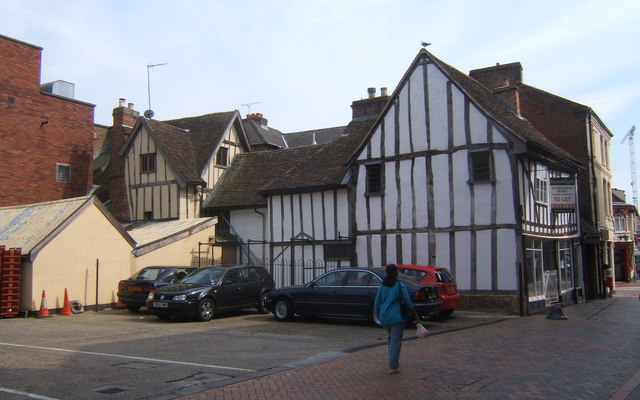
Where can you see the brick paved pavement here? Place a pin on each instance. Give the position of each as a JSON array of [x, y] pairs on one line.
[[593, 354]]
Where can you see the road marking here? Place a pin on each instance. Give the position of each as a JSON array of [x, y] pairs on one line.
[[30, 395], [157, 360]]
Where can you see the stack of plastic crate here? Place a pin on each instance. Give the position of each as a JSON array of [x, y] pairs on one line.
[[9, 282]]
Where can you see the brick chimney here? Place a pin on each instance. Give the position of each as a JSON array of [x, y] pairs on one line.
[[503, 80], [258, 118], [124, 118], [371, 106]]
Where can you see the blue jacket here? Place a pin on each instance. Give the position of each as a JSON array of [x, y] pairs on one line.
[[387, 303]]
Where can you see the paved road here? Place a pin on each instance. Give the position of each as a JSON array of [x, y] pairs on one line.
[[593, 354], [116, 354]]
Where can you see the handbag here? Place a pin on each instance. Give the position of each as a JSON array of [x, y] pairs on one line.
[[404, 310], [421, 331]]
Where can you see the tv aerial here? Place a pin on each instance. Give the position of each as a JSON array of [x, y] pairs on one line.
[[248, 105], [149, 113]]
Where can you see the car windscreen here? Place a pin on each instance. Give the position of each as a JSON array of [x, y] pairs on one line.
[[149, 274], [208, 276]]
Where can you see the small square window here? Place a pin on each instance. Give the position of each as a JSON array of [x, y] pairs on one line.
[[63, 172], [148, 163], [222, 157], [148, 215], [374, 181], [480, 164]]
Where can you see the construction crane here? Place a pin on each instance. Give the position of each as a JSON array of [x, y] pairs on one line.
[[632, 154]]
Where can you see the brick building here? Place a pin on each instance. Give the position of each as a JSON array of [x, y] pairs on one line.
[[46, 136]]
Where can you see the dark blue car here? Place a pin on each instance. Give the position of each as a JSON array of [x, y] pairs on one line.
[[208, 290], [346, 293]]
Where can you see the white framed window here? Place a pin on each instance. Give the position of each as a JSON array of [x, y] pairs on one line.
[[541, 186], [620, 223], [63, 172], [534, 261]]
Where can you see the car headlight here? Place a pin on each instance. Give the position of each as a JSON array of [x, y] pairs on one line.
[[180, 297], [151, 294]]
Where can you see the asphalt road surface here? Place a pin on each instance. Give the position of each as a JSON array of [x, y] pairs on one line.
[[114, 354]]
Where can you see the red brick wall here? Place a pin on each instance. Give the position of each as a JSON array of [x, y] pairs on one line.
[[38, 130]]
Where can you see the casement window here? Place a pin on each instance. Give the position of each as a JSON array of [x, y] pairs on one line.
[[148, 163], [222, 157], [375, 181], [480, 165], [63, 172], [620, 223], [541, 186]]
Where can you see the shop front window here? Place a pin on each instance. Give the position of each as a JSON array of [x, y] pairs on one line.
[[534, 268], [566, 265]]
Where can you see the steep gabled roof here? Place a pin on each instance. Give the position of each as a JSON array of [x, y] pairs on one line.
[[189, 143], [207, 131], [537, 145], [252, 176]]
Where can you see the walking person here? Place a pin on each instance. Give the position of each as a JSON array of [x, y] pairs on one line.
[[388, 308]]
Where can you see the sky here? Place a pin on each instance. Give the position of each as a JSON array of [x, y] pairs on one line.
[[302, 62]]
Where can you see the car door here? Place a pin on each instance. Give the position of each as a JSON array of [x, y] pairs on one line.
[[321, 297], [358, 293], [230, 292], [251, 286]]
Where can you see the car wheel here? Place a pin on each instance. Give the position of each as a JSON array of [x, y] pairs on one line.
[[445, 313], [373, 319], [261, 307], [283, 310], [133, 308], [206, 309]]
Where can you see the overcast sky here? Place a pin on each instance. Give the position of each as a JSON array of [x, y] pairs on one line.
[[301, 63]]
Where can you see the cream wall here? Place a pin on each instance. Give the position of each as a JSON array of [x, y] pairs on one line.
[[69, 261]]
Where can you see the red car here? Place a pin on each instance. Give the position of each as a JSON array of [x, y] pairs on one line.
[[447, 287]]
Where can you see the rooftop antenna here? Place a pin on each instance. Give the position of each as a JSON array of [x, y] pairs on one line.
[[248, 105], [149, 112]]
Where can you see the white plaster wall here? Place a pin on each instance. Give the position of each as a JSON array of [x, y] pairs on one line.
[[507, 260], [437, 109], [406, 199], [420, 177], [249, 225], [459, 134], [463, 260], [461, 189], [483, 259], [440, 165], [418, 116], [505, 212]]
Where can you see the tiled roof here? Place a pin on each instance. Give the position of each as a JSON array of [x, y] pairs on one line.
[[251, 176], [316, 136], [177, 144], [257, 134], [206, 132], [502, 113]]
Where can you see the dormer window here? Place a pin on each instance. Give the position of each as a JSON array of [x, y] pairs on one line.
[[148, 163]]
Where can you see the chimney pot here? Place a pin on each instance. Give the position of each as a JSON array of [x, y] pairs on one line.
[[383, 91], [372, 92], [130, 105], [121, 102]]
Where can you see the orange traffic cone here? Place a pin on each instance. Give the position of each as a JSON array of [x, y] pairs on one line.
[[44, 311], [66, 308]]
